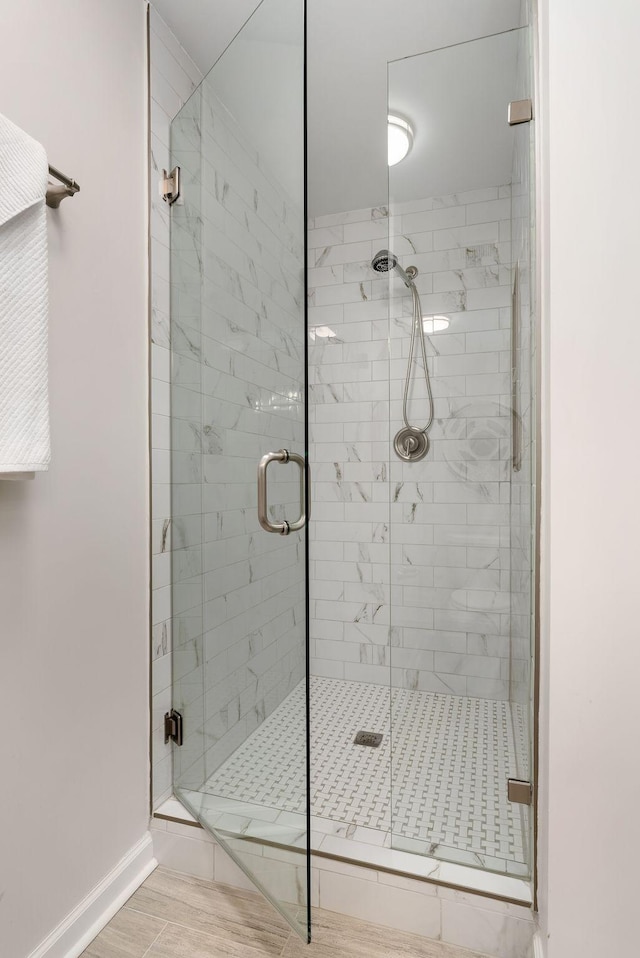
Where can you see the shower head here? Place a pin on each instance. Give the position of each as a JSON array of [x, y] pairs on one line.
[[385, 260]]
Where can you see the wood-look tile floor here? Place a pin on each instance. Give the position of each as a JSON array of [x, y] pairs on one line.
[[175, 916]]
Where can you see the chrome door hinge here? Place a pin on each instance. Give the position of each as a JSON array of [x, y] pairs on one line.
[[519, 791], [520, 111], [173, 727], [170, 185]]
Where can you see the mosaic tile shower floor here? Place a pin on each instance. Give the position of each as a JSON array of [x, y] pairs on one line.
[[440, 774]]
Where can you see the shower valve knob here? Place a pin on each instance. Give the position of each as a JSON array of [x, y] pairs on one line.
[[411, 444]]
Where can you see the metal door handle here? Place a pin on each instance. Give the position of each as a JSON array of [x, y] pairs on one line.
[[283, 528]]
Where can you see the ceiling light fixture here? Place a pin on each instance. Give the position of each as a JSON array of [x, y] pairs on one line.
[[399, 139]]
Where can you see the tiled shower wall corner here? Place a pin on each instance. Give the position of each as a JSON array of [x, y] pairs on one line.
[[237, 351], [173, 78], [422, 548]]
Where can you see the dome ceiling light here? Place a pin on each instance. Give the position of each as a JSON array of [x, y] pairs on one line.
[[399, 139]]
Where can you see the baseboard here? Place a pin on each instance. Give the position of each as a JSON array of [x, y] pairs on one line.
[[538, 949], [81, 925]]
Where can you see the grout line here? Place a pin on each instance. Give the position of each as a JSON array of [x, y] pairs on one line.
[[139, 911], [155, 939], [288, 939]]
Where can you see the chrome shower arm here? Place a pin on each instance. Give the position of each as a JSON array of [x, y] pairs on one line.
[[408, 275]]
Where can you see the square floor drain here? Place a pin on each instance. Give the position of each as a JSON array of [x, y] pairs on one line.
[[372, 739]]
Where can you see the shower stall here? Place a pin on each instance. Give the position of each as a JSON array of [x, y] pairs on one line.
[[353, 534]]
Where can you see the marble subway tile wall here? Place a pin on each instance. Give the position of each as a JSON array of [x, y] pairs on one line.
[[173, 77], [411, 561], [237, 339], [349, 430]]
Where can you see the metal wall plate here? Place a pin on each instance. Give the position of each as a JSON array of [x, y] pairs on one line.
[[519, 792], [173, 727], [170, 185]]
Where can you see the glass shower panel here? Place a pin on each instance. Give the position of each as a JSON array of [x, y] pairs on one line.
[[238, 394], [461, 573], [524, 383], [184, 535]]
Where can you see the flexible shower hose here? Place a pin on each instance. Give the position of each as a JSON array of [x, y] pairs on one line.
[[417, 328]]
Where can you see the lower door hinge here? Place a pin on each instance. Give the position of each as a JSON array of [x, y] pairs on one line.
[[173, 727], [170, 185], [519, 791]]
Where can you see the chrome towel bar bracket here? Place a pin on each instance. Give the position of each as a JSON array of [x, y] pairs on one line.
[[56, 192]]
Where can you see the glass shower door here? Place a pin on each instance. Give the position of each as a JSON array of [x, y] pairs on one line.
[[462, 572], [239, 489]]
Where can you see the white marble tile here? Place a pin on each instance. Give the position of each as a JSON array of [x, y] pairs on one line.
[[443, 218], [493, 932], [183, 854], [346, 252], [487, 212], [488, 297], [376, 230], [382, 904]]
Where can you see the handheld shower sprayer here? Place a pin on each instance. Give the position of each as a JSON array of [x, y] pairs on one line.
[[385, 260], [411, 442]]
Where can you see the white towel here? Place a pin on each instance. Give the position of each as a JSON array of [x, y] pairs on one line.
[[24, 401]]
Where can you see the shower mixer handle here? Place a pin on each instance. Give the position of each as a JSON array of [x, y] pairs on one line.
[[411, 444], [285, 527]]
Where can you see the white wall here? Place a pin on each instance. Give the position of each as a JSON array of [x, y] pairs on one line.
[[73, 543], [591, 489]]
